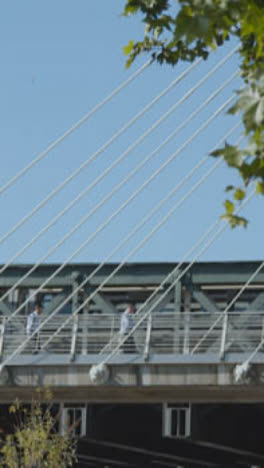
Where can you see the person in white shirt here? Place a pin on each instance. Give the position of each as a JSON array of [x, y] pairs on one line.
[[126, 324], [33, 323]]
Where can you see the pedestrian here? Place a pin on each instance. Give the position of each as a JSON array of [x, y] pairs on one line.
[[126, 325], [33, 323]]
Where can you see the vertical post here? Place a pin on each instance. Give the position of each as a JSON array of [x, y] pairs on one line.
[[223, 337], [2, 332], [177, 296], [166, 421], [148, 337], [178, 314], [21, 297], [75, 283], [262, 330], [85, 327], [74, 337], [187, 307]]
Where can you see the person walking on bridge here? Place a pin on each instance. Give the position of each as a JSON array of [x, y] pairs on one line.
[[126, 325], [33, 322]]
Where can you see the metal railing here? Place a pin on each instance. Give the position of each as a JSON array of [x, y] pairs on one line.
[[161, 333]]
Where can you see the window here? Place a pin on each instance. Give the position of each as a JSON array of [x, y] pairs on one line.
[[176, 420], [73, 419]]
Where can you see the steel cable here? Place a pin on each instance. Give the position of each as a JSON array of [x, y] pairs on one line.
[[74, 127], [207, 245], [124, 154], [99, 151], [113, 215], [109, 277], [121, 184]]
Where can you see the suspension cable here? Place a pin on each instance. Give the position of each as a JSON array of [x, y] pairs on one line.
[[22, 345], [131, 174], [207, 245], [73, 128], [101, 150], [224, 312], [113, 215], [243, 368], [143, 317], [130, 254], [139, 226], [146, 238], [59, 187]]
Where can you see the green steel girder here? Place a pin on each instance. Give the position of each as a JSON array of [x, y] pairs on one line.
[[142, 278], [135, 273], [56, 301], [103, 303], [202, 298], [258, 303], [5, 309]]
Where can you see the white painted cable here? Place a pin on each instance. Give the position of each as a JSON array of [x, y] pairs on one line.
[[9, 358], [78, 124], [127, 257], [252, 355], [224, 312], [141, 243], [131, 253], [111, 217], [261, 343], [52, 194], [99, 178], [160, 287], [154, 306], [242, 289], [142, 223], [100, 150]]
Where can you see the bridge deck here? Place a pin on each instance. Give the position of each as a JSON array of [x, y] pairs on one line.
[[162, 337]]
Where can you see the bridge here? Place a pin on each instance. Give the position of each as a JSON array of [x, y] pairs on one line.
[[177, 384], [189, 391], [186, 348]]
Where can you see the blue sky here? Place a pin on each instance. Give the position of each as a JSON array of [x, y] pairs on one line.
[[59, 59]]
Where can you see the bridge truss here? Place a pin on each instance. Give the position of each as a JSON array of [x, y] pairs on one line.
[[188, 325]]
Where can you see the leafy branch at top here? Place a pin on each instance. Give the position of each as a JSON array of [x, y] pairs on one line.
[[187, 29]]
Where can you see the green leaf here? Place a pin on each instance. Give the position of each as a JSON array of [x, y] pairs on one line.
[[130, 10], [260, 187], [12, 409], [233, 156], [229, 207], [192, 30], [235, 220], [249, 118], [259, 116], [251, 148], [128, 48], [238, 221], [129, 61], [239, 194], [217, 153]]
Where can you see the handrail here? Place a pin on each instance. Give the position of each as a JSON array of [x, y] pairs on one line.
[[165, 333]]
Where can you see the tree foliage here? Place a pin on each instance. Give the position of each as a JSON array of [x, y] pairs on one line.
[[187, 29], [34, 443]]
